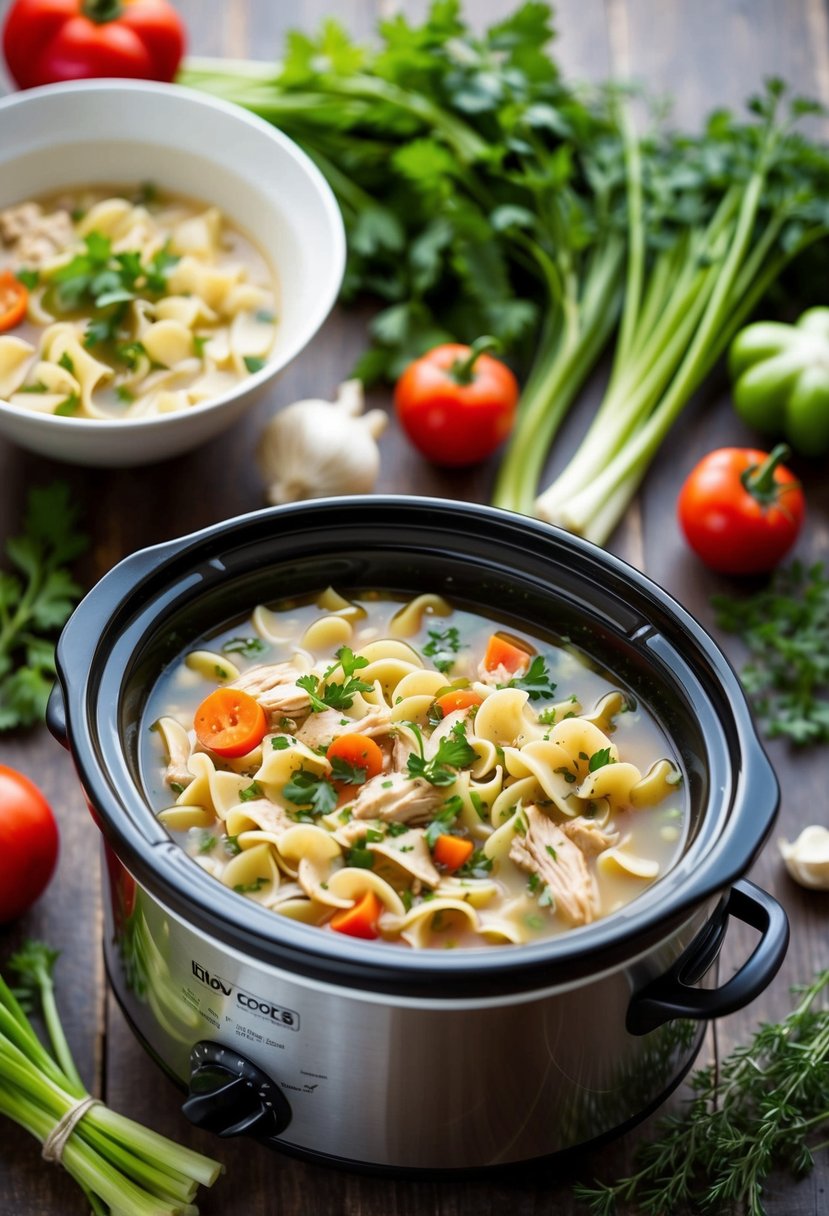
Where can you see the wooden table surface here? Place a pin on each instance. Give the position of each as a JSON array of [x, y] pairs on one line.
[[705, 53]]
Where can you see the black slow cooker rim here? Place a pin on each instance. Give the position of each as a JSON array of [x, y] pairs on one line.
[[149, 578]]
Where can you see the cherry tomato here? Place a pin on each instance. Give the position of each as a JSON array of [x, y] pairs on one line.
[[28, 843], [456, 403], [14, 300], [230, 722], [741, 510], [50, 40]]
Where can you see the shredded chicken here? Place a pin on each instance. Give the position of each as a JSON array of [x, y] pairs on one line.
[[394, 797], [34, 237], [321, 728], [560, 864], [268, 816], [588, 836], [274, 687]]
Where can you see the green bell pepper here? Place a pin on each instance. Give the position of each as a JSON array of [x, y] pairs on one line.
[[780, 376]]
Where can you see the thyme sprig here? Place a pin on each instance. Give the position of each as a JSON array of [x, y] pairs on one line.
[[767, 1108]]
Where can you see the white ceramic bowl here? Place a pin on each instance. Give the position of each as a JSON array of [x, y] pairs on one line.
[[111, 131]]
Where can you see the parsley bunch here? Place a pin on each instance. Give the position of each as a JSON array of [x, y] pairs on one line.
[[453, 752], [35, 601], [785, 628]]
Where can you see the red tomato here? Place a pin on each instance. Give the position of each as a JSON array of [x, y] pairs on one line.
[[457, 404], [230, 722], [741, 510], [49, 40], [28, 843], [14, 300]]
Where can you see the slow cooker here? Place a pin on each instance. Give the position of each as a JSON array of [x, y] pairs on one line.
[[370, 1054]]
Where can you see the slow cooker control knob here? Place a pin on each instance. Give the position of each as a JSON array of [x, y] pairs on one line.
[[233, 1097]]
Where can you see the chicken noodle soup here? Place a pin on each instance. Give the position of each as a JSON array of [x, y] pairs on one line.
[[411, 772], [139, 303]]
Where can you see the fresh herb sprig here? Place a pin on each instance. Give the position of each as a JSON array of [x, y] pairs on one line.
[[35, 601], [766, 1109], [325, 694], [121, 1165], [442, 648], [535, 680], [106, 282], [785, 628], [310, 792], [453, 752]]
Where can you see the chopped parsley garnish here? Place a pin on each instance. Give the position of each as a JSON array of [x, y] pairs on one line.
[[481, 809], [443, 820], [69, 406], [546, 899], [130, 353], [265, 316], [551, 852], [349, 774], [199, 343], [254, 790], [250, 888], [231, 845], [599, 759], [29, 278], [359, 855], [396, 829], [207, 841], [38, 387], [65, 361], [279, 743], [176, 787], [454, 752], [105, 282], [535, 681], [478, 865], [442, 647], [124, 394], [248, 647], [332, 695], [253, 363], [568, 775], [310, 792]]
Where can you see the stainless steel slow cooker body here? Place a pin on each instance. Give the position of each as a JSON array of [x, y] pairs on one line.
[[366, 1052]]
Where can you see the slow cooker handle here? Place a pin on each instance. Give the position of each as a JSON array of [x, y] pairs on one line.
[[56, 715], [671, 996]]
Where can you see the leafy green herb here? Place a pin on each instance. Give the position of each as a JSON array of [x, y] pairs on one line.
[[103, 282], [535, 680], [453, 752], [265, 316], [311, 792], [37, 387], [396, 829], [442, 647], [250, 792], [231, 845], [253, 363], [280, 743], [360, 856], [130, 353], [785, 628], [349, 774], [478, 865], [29, 278], [65, 361], [207, 841], [69, 406], [443, 820], [333, 695], [124, 394], [599, 759], [199, 343], [248, 647], [250, 888], [35, 601], [176, 787], [764, 1109]]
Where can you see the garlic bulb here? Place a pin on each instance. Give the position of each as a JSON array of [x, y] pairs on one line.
[[315, 448], [807, 858]]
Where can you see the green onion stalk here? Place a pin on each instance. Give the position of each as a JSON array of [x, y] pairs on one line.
[[122, 1167], [697, 296]]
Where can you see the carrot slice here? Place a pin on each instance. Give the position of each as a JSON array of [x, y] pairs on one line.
[[361, 919], [459, 698], [230, 722], [452, 851], [14, 300], [360, 751], [503, 651]]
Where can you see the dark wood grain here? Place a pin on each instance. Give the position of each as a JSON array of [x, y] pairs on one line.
[[706, 53]]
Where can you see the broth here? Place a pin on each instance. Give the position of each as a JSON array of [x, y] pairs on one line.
[[140, 303], [509, 790]]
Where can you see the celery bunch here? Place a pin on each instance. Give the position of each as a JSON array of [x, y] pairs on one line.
[[123, 1168]]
